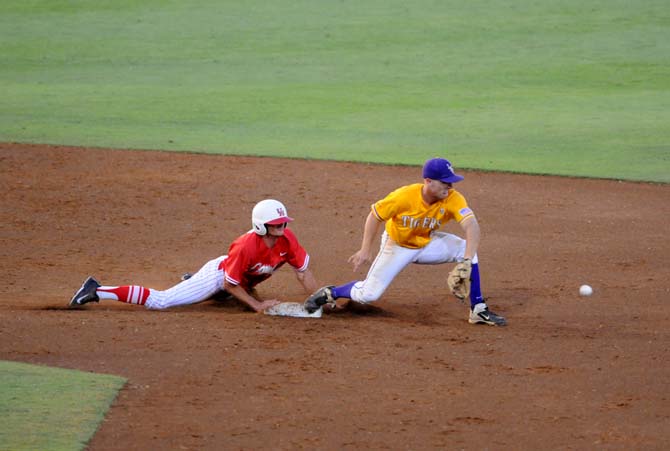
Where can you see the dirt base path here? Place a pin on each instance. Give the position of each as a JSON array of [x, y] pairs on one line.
[[406, 373]]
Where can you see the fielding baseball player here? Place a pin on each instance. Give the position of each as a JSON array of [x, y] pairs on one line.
[[251, 259], [412, 216]]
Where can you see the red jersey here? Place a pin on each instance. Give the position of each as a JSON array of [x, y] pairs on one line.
[[250, 261]]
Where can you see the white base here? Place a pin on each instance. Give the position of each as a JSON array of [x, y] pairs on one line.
[[294, 309]]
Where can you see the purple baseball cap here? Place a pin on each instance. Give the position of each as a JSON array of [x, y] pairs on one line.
[[440, 169]]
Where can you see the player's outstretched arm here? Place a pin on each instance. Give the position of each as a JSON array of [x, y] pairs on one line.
[[241, 294], [307, 280], [372, 229], [472, 236]]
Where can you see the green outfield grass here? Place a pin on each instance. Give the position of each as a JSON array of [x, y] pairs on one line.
[[576, 87], [51, 408]]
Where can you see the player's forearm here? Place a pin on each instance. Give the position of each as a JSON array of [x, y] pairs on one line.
[[472, 237], [471, 249], [241, 294], [307, 280], [370, 232]]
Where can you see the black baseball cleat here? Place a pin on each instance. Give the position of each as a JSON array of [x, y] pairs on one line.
[[482, 315], [318, 299], [87, 293]]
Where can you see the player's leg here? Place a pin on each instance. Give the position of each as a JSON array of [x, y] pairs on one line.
[[442, 248], [92, 291], [203, 284], [446, 248], [390, 260]]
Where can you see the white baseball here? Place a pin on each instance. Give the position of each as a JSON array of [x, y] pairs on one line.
[[585, 290]]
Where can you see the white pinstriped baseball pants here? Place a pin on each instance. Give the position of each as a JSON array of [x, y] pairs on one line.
[[200, 287], [392, 258]]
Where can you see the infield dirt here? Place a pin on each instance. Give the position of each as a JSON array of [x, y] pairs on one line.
[[408, 372]]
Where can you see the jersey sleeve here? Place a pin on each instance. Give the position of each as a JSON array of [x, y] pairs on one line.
[[458, 207], [387, 207], [297, 255]]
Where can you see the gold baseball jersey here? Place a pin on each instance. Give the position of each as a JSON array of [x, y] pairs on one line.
[[410, 221]]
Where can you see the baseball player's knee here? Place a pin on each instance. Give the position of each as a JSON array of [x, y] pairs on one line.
[[368, 298], [156, 306], [365, 295], [157, 301]]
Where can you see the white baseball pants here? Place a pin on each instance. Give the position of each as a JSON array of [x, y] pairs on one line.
[[200, 287], [392, 258]]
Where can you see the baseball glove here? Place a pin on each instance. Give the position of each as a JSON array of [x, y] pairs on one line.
[[459, 279]]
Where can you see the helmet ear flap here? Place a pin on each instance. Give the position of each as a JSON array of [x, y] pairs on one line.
[[259, 228]]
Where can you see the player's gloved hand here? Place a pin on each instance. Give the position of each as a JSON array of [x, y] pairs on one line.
[[459, 279]]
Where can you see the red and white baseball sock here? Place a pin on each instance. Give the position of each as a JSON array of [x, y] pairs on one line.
[[130, 294]]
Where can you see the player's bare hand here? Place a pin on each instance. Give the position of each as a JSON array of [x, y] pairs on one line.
[[267, 304], [359, 258]]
